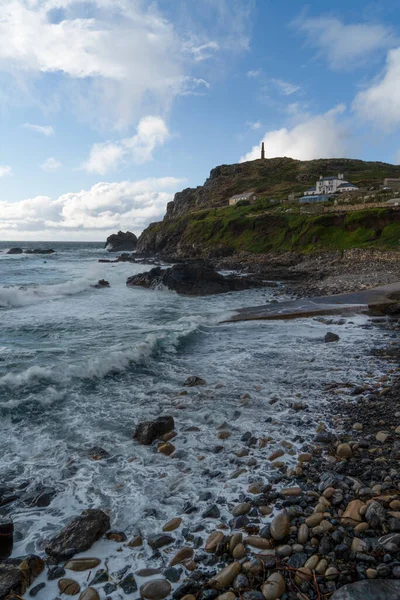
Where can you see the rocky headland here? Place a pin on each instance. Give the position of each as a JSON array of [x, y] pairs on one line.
[[121, 241]]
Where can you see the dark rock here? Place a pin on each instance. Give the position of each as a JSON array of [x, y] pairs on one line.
[[102, 283], [101, 576], [15, 251], [212, 512], [40, 251], [35, 590], [97, 453], [297, 560], [375, 514], [55, 573], [196, 278], [148, 431], [6, 537], [40, 497], [18, 574], [325, 437], [394, 524], [390, 542], [188, 587], [159, 540], [109, 588], [241, 582], [331, 337], [193, 381], [369, 590], [116, 536], [128, 584], [209, 594], [252, 595], [172, 574], [79, 535], [117, 242]]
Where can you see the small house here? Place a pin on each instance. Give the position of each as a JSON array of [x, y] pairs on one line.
[[246, 196]]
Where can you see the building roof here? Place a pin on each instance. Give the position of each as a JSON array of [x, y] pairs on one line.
[[347, 184], [313, 189], [332, 178], [244, 195]]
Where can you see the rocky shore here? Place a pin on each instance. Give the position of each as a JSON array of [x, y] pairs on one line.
[[327, 526]]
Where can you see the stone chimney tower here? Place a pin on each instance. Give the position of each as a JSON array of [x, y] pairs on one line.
[[262, 151]]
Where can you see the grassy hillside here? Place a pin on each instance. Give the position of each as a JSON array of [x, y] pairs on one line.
[[227, 231]]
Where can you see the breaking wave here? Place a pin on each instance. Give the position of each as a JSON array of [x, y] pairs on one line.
[[13, 296]]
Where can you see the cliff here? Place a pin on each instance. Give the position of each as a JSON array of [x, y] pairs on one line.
[[199, 222]]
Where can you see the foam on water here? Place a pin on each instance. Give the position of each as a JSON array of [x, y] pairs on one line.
[[79, 367]]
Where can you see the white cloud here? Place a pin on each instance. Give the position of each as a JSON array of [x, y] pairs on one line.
[[5, 170], [285, 87], [88, 214], [114, 60], [380, 103], [43, 129], [319, 136], [50, 164], [151, 132], [254, 74], [345, 46], [254, 124]]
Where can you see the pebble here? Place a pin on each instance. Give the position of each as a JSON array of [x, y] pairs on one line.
[[69, 587], [276, 454], [321, 566], [258, 542], [371, 573], [35, 590], [82, 564], [312, 562], [280, 526], [382, 436], [213, 540], [344, 451], [290, 492], [357, 427], [136, 542], [351, 515], [238, 552], [172, 524], [274, 587], [331, 573], [89, 594], [314, 520], [241, 509], [183, 554], [156, 589], [166, 448], [303, 574], [227, 596], [226, 576], [302, 534], [305, 457]]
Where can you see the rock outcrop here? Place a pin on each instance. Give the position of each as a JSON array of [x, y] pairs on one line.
[[192, 279], [17, 574], [118, 242], [15, 251], [148, 431], [79, 535]]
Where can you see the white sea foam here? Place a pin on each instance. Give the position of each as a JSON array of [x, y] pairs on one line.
[[14, 296]]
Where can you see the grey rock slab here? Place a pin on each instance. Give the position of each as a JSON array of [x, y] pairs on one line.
[[369, 590]]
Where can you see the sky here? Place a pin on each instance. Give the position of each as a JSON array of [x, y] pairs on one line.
[[109, 107]]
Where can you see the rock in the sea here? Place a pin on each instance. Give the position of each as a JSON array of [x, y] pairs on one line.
[[193, 380], [148, 431], [331, 337], [159, 540], [172, 524], [70, 587], [79, 535], [15, 251], [102, 283], [156, 589], [196, 278], [370, 589], [97, 453], [18, 574], [40, 251], [6, 537], [120, 241]]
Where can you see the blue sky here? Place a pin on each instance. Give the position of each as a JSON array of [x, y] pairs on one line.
[[108, 107]]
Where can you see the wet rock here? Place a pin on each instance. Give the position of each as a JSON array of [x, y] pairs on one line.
[[302, 534], [280, 526], [172, 574], [39, 496], [241, 509], [375, 515], [101, 576], [193, 381], [148, 431], [55, 573], [82, 564], [18, 574], [89, 594], [97, 453], [226, 576], [35, 590], [182, 555], [172, 524], [390, 542], [6, 537], [258, 542], [297, 560], [109, 588], [136, 542], [252, 595], [212, 512], [148, 572], [213, 540], [159, 540], [241, 582], [156, 589], [128, 584], [79, 535], [166, 448], [102, 283], [15, 251], [369, 590], [227, 596], [274, 587], [331, 337], [118, 242], [344, 451], [69, 587]]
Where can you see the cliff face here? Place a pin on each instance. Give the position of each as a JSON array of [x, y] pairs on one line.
[[198, 221]]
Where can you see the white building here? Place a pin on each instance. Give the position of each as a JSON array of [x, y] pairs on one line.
[[248, 196], [331, 185]]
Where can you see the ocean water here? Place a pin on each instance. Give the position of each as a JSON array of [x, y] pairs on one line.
[[79, 367]]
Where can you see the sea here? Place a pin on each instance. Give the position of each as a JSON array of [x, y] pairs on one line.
[[80, 367]]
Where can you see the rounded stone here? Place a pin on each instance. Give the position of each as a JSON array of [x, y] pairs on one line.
[[156, 589], [239, 551], [314, 519], [241, 509], [226, 576], [312, 562], [302, 534], [302, 575], [344, 451], [274, 587], [69, 587], [89, 594], [172, 524], [280, 526], [371, 573], [82, 564], [227, 596], [331, 573], [182, 555]]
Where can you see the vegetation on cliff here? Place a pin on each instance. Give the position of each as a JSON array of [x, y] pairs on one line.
[[199, 221]]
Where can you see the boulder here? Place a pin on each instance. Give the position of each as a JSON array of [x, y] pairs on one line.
[[120, 241], [148, 431], [17, 574], [79, 535], [102, 283], [331, 337], [197, 278], [40, 251], [372, 589], [15, 251]]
